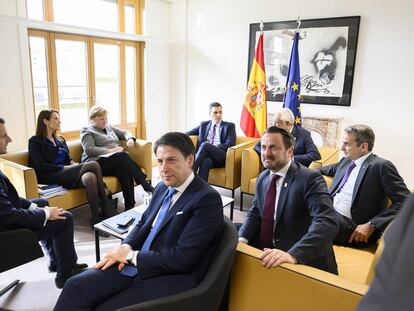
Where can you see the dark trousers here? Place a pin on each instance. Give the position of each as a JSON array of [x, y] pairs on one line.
[[57, 239], [346, 227], [109, 290], [127, 171], [207, 157]]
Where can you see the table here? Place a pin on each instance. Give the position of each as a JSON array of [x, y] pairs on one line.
[[140, 209]]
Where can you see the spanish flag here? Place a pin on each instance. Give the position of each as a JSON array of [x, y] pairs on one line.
[[253, 121]]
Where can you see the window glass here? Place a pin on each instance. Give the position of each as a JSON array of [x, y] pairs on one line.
[[129, 18], [99, 14], [38, 58], [72, 84], [130, 68], [107, 80], [34, 9]]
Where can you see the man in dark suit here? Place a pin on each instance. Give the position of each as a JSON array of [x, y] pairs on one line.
[[393, 285], [53, 226], [362, 184], [292, 216], [215, 136], [170, 248], [305, 151]]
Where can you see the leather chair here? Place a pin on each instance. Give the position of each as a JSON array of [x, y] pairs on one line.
[[251, 166], [208, 295], [17, 247], [228, 177], [299, 287]]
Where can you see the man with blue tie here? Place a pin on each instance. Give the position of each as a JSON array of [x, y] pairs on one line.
[[168, 251], [362, 184], [53, 226], [215, 136]]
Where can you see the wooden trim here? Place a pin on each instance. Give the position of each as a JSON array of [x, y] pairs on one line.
[[121, 15], [139, 11], [141, 123], [122, 73], [47, 10]]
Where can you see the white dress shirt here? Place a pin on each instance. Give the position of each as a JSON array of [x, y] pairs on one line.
[[342, 201]]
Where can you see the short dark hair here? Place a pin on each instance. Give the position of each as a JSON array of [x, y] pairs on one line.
[[178, 140], [288, 139], [214, 104], [2, 121], [363, 134]]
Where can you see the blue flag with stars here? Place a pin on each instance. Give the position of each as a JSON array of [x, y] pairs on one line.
[[292, 95]]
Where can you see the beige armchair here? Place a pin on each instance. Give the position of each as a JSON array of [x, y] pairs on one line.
[[298, 287], [228, 177], [251, 166], [14, 166]]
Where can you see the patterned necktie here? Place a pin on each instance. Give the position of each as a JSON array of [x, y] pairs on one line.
[[211, 134], [345, 178], [130, 270], [268, 219]]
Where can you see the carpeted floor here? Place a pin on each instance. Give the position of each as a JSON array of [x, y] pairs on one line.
[[37, 291]]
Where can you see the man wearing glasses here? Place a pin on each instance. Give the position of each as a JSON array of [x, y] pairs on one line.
[[305, 151]]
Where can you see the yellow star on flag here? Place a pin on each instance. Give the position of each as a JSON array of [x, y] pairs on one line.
[[297, 120], [300, 109], [299, 97], [295, 87]]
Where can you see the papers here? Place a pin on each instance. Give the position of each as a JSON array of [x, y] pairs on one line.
[[49, 191], [107, 155], [112, 223]]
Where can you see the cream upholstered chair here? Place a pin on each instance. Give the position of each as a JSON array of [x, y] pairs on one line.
[[251, 166], [228, 177], [272, 287], [14, 166]]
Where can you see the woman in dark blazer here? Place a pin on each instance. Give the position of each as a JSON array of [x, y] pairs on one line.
[[49, 156], [100, 139]]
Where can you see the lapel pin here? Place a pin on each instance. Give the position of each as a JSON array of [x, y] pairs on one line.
[[285, 185]]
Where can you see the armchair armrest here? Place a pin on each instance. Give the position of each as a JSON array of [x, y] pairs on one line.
[[23, 178], [288, 287], [142, 155], [233, 163], [250, 167], [328, 156]]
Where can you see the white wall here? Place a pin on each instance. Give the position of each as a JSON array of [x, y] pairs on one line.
[[218, 35]]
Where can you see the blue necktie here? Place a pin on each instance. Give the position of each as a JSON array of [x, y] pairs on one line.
[[345, 178], [132, 271]]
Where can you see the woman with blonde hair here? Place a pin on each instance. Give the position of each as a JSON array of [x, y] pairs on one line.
[[100, 138], [50, 158]]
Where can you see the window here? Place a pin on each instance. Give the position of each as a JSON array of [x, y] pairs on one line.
[[109, 15], [82, 71]]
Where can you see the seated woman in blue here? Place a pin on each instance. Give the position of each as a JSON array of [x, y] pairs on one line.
[[50, 158]]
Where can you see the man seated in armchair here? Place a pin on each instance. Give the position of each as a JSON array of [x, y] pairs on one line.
[[53, 226], [215, 136]]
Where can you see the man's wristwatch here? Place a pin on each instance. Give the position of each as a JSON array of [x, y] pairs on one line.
[[129, 257], [372, 226]]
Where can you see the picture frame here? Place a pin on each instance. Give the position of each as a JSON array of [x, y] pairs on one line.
[[327, 56]]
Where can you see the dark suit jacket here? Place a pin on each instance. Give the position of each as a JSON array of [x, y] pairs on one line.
[[378, 180], [305, 222], [42, 156], [305, 151], [14, 212], [393, 286], [227, 134], [186, 240]]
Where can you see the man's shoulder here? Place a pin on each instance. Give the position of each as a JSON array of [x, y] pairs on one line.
[[300, 131], [225, 123]]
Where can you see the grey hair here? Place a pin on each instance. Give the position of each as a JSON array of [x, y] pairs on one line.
[[286, 115], [363, 134]]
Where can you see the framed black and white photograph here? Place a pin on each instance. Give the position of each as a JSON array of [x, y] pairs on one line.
[[327, 53]]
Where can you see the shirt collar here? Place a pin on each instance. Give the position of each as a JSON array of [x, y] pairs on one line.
[[358, 162], [283, 171], [218, 124], [185, 184]]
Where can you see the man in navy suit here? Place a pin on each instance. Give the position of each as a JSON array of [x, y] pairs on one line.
[[292, 217], [53, 226], [168, 251], [305, 151], [215, 136], [362, 184]]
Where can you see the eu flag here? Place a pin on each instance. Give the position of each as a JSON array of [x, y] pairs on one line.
[[292, 95]]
